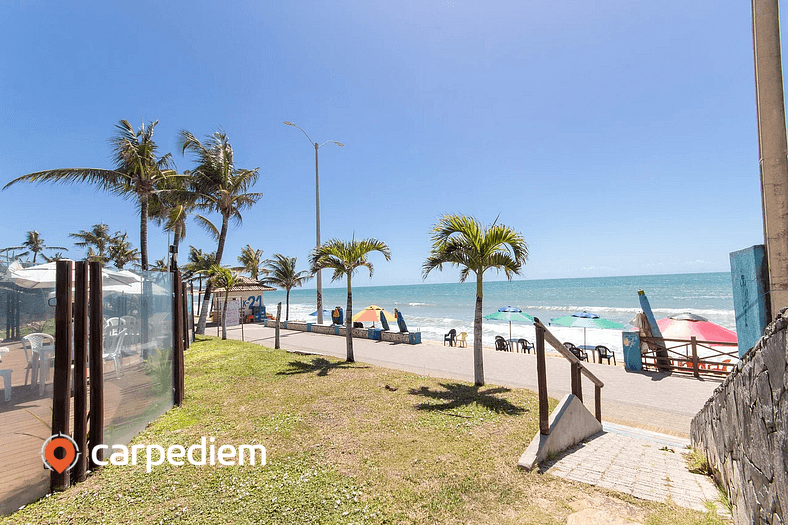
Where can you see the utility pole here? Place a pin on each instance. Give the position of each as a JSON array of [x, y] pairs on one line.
[[772, 145]]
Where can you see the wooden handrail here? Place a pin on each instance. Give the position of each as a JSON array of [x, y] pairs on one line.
[[561, 349], [577, 368]]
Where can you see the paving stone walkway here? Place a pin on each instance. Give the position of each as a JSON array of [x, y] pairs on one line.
[[643, 464]]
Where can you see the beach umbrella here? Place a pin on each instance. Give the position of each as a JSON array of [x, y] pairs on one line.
[[326, 313], [686, 325], [510, 313], [586, 320], [43, 276], [371, 314]]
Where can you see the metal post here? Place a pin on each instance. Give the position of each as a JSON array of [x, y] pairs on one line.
[[772, 145], [598, 402], [541, 374], [96, 433], [317, 236], [61, 385], [80, 367], [694, 343], [278, 317]]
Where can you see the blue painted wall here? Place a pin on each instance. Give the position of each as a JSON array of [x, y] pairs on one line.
[[750, 300]]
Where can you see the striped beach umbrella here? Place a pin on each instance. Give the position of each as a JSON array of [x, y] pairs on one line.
[[586, 320]]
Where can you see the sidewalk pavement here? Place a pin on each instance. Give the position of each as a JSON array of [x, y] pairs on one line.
[[651, 401]]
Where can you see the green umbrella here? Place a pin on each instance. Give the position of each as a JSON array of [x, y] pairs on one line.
[[510, 313], [586, 320]]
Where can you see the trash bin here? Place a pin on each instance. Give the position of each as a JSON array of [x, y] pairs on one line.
[[374, 333]]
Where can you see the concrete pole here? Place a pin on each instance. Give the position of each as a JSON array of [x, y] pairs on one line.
[[772, 145]]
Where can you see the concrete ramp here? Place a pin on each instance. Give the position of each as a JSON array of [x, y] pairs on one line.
[[570, 423]]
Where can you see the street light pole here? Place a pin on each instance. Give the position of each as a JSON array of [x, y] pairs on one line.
[[317, 217]]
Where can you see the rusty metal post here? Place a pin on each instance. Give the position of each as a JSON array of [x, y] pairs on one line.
[[80, 367], [61, 385], [598, 402], [541, 374], [96, 358]]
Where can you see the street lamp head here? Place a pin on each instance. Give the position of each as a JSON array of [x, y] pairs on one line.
[[289, 123], [339, 144]]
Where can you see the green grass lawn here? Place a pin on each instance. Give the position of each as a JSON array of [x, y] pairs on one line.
[[346, 443]]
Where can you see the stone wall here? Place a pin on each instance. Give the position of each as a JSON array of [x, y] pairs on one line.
[[742, 431]]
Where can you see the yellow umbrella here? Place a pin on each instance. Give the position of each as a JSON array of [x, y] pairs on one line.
[[371, 314]]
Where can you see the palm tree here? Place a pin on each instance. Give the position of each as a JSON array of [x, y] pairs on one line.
[[464, 242], [98, 238], [345, 258], [198, 265], [252, 261], [223, 277], [120, 251], [160, 265], [282, 273], [34, 244], [222, 188], [172, 205], [136, 175]]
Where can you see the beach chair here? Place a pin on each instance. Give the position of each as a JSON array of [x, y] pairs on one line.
[[605, 353], [578, 352], [450, 337], [43, 345], [501, 344], [384, 322], [400, 321], [525, 346], [462, 340]]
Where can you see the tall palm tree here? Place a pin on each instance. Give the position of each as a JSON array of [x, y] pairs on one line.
[[252, 261], [97, 240], [136, 175], [120, 251], [223, 277], [223, 188], [345, 258], [282, 274], [464, 242], [34, 244], [173, 203]]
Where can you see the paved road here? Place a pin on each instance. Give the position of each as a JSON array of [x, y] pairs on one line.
[[652, 401]]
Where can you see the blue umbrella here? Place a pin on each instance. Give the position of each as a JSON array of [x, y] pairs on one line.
[[510, 313], [326, 313]]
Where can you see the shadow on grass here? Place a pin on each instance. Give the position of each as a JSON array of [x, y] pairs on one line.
[[457, 395], [320, 365]]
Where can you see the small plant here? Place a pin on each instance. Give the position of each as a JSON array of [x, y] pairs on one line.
[[697, 463], [666, 449], [159, 367]]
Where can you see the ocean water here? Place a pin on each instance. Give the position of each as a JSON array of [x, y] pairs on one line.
[[433, 309]]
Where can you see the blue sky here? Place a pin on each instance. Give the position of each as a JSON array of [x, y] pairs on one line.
[[620, 139]]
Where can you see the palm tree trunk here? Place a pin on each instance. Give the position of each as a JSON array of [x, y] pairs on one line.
[[348, 322], [209, 287], [144, 232], [176, 241], [478, 357], [224, 314], [287, 305]]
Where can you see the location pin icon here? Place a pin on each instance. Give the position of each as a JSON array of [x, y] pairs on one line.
[[62, 464]]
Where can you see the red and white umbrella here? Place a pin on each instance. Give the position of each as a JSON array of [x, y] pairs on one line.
[[687, 325]]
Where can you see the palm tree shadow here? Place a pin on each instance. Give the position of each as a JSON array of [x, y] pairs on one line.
[[320, 365], [458, 395]]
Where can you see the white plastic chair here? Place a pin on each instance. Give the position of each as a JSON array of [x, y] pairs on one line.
[[115, 353], [43, 345]]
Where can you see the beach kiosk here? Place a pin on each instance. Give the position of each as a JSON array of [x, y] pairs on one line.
[[249, 294]]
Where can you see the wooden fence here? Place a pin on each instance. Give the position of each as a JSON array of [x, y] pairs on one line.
[[682, 355]]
